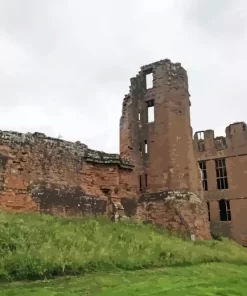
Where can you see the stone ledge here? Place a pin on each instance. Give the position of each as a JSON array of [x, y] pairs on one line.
[[182, 196], [107, 158]]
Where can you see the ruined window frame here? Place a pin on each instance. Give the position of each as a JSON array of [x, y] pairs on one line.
[[203, 167], [150, 104], [221, 174], [225, 210]]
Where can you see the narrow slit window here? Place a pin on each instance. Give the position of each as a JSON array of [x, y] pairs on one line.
[[208, 205], [140, 183], [150, 113], [146, 180], [139, 116], [221, 174], [149, 80], [146, 146], [225, 211]]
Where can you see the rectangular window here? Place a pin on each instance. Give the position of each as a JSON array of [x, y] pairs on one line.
[[139, 116], [208, 204], [146, 146], [149, 80], [140, 183], [150, 113], [203, 168], [221, 174], [225, 211], [146, 180]]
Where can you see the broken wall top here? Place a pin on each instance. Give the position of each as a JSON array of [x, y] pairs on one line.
[[76, 149], [233, 142], [165, 73]]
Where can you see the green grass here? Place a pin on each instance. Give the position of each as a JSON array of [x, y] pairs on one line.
[[41, 247], [200, 280]]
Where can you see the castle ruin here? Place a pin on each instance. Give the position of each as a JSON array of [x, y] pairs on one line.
[[223, 161], [155, 179]]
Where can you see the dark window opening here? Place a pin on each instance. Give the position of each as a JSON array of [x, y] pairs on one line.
[[221, 174], [140, 183], [203, 168], [146, 146], [150, 113], [208, 204], [225, 211], [244, 127], [149, 80], [146, 180]]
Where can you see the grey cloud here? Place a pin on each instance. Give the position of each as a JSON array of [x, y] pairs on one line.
[[68, 62]]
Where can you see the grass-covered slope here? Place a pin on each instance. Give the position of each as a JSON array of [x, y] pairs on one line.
[[221, 279], [36, 246]]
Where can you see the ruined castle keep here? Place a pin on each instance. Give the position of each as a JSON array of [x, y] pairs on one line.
[[155, 179]]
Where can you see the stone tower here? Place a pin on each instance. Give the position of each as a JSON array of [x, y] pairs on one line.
[[155, 133]]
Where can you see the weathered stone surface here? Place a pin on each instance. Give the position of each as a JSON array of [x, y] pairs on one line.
[[162, 150], [43, 174], [232, 147], [39, 173], [183, 212]]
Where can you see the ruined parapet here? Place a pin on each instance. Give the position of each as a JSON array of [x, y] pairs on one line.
[[53, 145], [233, 142]]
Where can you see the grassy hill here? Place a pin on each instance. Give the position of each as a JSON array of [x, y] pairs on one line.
[[105, 258]]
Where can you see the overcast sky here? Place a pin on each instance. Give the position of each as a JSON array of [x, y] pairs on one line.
[[65, 65]]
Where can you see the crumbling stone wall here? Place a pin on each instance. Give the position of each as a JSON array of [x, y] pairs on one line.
[[50, 175], [43, 174], [162, 150], [233, 148]]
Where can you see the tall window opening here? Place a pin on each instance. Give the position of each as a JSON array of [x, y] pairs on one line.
[[149, 80], [140, 183], [225, 211], [146, 146], [221, 174], [203, 168], [150, 113], [146, 180]]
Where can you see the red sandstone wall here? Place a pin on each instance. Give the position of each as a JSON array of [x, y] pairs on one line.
[[170, 164], [233, 147], [50, 175]]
